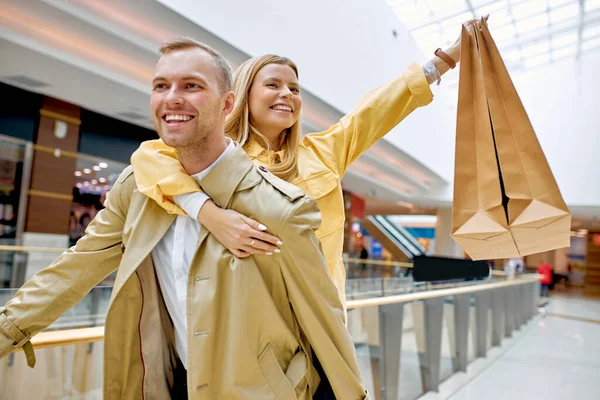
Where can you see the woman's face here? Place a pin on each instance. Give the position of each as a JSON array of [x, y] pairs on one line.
[[274, 100]]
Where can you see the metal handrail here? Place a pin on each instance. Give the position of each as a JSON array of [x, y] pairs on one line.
[[96, 334]]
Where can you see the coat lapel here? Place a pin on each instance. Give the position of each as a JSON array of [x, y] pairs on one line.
[[148, 229]]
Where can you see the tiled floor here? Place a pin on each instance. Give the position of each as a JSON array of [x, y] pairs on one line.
[[553, 359]]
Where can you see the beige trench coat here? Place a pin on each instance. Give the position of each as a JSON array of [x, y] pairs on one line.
[[253, 323]]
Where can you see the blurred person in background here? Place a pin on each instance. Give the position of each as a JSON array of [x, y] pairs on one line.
[[545, 270], [265, 121]]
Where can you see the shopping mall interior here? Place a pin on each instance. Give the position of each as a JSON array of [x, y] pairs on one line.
[[75, 85]]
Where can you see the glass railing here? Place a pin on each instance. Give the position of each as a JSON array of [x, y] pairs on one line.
[[409, 336]]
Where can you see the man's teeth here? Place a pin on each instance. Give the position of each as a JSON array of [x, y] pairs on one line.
[[282, 108], [170, 118]]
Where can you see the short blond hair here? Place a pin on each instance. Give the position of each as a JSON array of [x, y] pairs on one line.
[[184, 43]]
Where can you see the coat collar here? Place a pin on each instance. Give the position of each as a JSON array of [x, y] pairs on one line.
[[227, 175], [261, 155]]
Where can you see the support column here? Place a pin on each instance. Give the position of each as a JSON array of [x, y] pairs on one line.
[[462, 302], [52, 181], [391, 317], [430, 359], [497, 317], [482, 305], [509, 306]]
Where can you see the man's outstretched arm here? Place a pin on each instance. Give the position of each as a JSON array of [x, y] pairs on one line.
[[57, 288]]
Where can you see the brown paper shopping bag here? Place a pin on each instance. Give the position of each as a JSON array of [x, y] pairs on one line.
[[479, 221], [538, 217]]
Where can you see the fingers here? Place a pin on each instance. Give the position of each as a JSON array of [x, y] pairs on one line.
[[251, 250], [254, 224], [260, 247], [239, 253], [254, 231]]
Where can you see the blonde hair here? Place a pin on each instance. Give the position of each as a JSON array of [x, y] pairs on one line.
[[184, 43], [239, 128]]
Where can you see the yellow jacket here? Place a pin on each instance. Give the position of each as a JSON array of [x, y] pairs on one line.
[[253, 323], [323, 159]]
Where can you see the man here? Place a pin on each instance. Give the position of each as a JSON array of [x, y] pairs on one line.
[[187, 319]]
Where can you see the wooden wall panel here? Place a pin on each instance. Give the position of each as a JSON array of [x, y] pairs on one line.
[[48, 215]]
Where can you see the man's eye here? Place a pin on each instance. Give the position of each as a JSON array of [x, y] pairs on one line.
[[159, 86], [295, 90], [271, 85], [192, 86]]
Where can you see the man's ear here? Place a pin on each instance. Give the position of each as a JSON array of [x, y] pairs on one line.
[[229, 102]]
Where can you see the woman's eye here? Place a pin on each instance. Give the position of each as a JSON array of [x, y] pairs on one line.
[[271, 85], [295, 90], [192, 86]]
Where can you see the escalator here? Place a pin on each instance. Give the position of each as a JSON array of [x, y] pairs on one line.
[[397, 240]]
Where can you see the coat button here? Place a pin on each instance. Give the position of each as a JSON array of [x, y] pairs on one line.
[[263, 168]]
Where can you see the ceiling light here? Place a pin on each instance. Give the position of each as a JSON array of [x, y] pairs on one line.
[[591, 5], [528, 8], [87, 170], [78, 173], [412, 14], [86, 183], [96, 168], [498, 18], [590, 44], [564, 52], [94, 181], [78, 185], [454, 22], [103, 165], [491, 8], [564, 13], [510, 56], [591, 31], [532, 24], [405, 204], [102, 180], [504, 33], [451, 6], [538, 60], [536, 49], [564, 40], [555, 3]]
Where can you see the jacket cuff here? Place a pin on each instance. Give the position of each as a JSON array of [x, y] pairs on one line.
[[417, 84], [19, 339]]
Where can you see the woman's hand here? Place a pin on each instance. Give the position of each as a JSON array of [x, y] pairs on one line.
[[454, 50], [241, 235]]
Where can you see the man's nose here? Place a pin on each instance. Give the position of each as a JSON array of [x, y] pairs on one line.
[[174, 97]]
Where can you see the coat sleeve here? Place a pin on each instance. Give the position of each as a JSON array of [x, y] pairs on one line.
[[315, 300], [160, 176], [377, 113], [57, 288]]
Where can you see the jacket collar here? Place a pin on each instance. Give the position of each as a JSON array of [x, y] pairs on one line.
[[261, 155], [226, 176]]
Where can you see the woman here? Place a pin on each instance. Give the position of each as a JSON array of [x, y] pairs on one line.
[[265, 121]]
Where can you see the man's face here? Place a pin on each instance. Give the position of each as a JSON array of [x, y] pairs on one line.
[[186, 102]]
